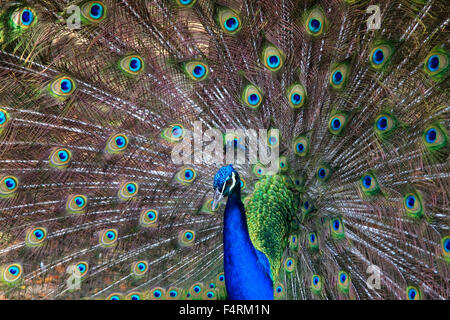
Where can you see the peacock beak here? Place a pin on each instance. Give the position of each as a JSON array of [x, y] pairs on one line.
[[218, 195]]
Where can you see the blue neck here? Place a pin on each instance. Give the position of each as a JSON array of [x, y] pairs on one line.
[[245, 278]]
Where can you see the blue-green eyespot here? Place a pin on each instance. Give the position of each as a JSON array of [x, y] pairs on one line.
[[316, 284], [315, 22], [108, 237], [337, 228], [252, 96], [116, 143], [229, 21], [384, 125], [76, 204], [413, 293], [61, 87], [343, 281], [186, 238], [185, 3], [59, 158], [369, 184], [296, 95], [35, 236], [337, 123], [436, 64], [323, 172], [8, 186], [186, 175], [272, 58], [148, 218], [23, 18], [413, 204], [139, 268], [93, 11], [380, 55], [127, 190], [339, 75], [174, 133], [196, 70], [132, 65], [11, 274], [435, 137]]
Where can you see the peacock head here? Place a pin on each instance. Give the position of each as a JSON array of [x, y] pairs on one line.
[[226, 182]]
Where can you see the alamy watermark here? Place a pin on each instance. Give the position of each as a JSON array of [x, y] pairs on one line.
[[374, 281], [239, 146], [374, 21], [74, 20], [74, 281]]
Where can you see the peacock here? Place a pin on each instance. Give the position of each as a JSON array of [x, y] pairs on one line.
[[350, 97]]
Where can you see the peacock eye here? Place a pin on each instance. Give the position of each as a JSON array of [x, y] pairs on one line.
[[11, 273], [139, 268], [61, 87], [296, 95], [127, 190], [413, 293], [35, 236], [196, 70], [148, 218], [272, 58], [339, 75], [8, 185], [157, 293], [93, 11], [252, 96], [436, 64], [114, 296], [337, 123], [186, 238], [76, 203], [278, 290], [343, 281], [131, 65], [380, 55], [108, 237], [116, 143], [273, 140], [289, 264], [384, 125], [323, 172], [196, 289], [173, 133], [185, 3], [316, 284], [369, 184], [60, 158], [23, 18], [435, 137], [316, 22], [337, 228], [4, 117], [413, 204], [186, 175], [283, 163], [82, 268], [229, 21], [307, 206]]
